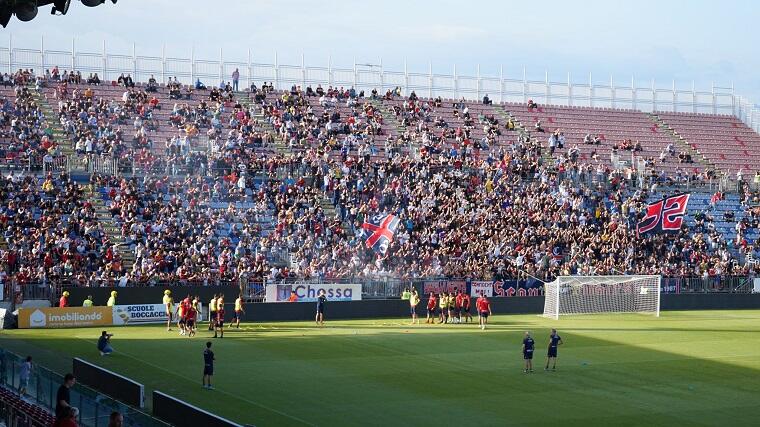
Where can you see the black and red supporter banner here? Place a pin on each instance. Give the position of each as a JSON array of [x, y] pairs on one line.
[[664, 216]]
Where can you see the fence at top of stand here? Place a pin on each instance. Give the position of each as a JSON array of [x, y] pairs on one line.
[[585, 91]]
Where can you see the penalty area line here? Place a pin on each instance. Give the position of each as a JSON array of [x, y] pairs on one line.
[[262, 406]]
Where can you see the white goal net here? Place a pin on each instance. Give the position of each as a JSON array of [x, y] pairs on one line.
[[602, 294]]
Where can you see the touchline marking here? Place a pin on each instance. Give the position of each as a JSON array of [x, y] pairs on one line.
[[292, 417]]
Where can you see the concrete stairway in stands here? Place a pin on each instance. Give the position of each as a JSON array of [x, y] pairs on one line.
[[112, 230], [280, 145], [680, 143], [521, 131], [65, 144], [389, 116]]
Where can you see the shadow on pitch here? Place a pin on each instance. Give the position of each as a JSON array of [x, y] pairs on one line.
[[393, 361]]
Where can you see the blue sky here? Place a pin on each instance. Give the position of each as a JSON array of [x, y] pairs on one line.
[[697, 41]]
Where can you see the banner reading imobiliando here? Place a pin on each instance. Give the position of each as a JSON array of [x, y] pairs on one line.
[[67, 317]]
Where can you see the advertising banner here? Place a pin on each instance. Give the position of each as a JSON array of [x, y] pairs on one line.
[[139, 313], [306, 292], [438, 286], [476, 287], [68, 317], [515, 288]]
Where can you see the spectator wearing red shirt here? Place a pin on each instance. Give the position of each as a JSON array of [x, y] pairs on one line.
[[68, 418], [484, 310], [64, 301]]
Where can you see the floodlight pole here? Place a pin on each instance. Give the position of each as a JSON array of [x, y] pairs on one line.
[[163, 62], [192, 64], [134, 61], [105, 62], [250, 76], [430, 79], [612, 90], [501, 84], [456, 82], [714, 101], [633, 92], [221, 65]]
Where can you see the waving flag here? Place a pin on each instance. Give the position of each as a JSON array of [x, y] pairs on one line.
[[379, 232], [665, 215]]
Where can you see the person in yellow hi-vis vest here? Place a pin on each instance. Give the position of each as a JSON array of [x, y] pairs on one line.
[[169, 305], [443, 302], [212, 312], [239, 311], [112, 300], [87, 302]]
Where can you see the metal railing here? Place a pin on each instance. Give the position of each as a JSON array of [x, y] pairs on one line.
[[500, 87], [94, 408], [17, 293], [56, 165]]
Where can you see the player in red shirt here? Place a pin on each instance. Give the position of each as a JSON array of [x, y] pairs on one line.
[[431, 305], [190, 321], [64, 301], [184, 308], [219, 318], [466, 302], [458, 305], [181, 311], [484, 310]]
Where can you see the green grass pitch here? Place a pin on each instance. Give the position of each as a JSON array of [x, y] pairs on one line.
[[695, 368]]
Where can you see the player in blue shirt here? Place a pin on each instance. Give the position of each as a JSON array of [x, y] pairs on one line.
[[527, 350], [554, 341], [321, 299]]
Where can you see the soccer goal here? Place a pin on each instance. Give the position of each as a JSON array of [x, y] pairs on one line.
[[602, 294]]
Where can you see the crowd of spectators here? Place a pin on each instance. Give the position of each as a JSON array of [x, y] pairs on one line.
[[51, 233], [26, 138], [497, 206]]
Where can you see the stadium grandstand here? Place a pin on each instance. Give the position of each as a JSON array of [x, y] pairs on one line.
[[143, 192], [170, 181]]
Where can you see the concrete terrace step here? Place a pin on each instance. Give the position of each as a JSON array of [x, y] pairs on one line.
[[681, 142], [65, 144], [112, 230], [280, 146], [388, 114]]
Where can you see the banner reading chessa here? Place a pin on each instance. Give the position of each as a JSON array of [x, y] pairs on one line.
[[139, 313], [306, 292], [68, 317]]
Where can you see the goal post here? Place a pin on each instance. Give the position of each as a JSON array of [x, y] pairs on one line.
[[602, 294]]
